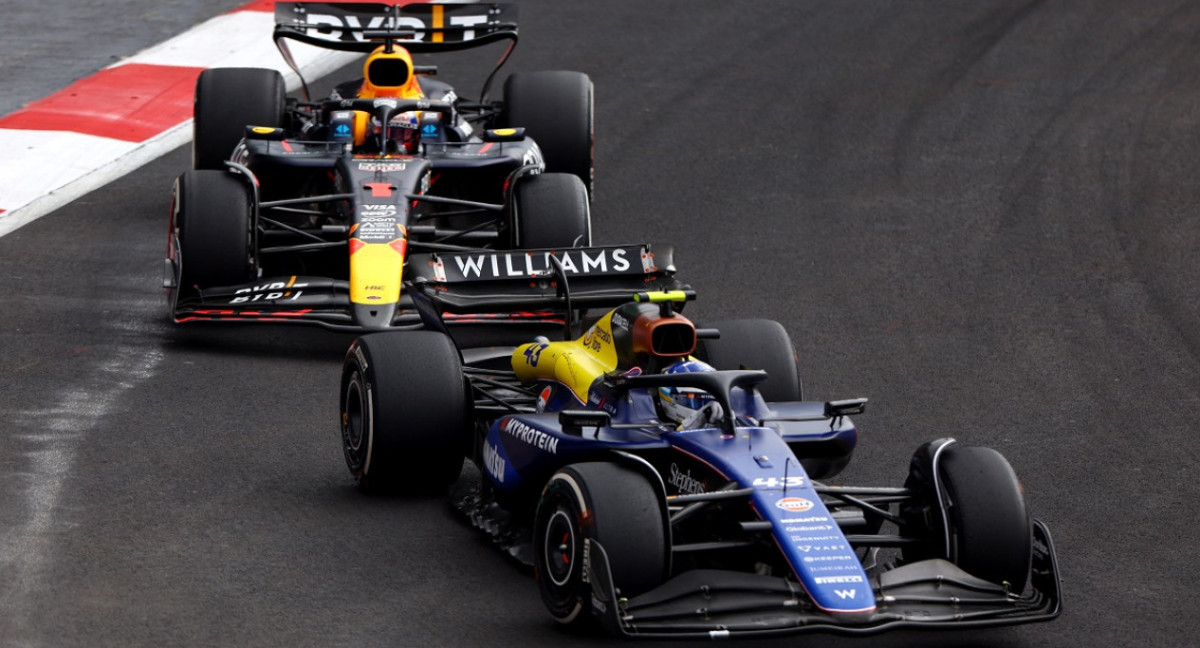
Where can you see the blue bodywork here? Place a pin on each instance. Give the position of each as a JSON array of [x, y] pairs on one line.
[[520, 451]]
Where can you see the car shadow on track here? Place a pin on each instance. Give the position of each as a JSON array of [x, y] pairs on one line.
[[260, 341]]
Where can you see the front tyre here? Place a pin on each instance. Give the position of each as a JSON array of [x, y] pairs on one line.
[[971, 511], [756, 344], [227, 101], [555, 107], [551, 211], [403, 412], [598, 502], [991, 533], [212, 228]]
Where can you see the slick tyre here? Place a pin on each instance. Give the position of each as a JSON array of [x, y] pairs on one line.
[[551, 211], [404, 417], [598, 502], [989, 524], [213, 223], [556, 109], [756, 344], [228, 100]]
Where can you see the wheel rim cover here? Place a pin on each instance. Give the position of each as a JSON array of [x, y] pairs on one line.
[[558, 546]]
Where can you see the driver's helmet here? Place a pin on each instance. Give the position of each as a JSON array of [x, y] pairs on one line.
[[404, 132], [680, 403], [389, 74]]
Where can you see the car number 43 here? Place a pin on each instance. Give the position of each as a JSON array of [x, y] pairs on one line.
[[776, 482]]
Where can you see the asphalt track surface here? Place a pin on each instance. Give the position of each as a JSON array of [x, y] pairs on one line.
[[978, 214]]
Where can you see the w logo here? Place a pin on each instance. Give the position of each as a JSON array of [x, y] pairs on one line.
[[845, 594]]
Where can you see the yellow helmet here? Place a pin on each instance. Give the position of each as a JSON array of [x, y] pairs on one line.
[[389, 74]]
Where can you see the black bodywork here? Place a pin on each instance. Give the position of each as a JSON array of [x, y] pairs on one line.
[[317, 200]]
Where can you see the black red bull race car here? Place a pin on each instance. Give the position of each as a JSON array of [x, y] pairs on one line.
[[665, 480], [307, 211]]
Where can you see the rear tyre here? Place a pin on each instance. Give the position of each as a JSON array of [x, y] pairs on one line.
[[403, 412], [555, 109], [228, 100], [756, 344], [606, 503], [213, 219], [551, 211], [990, 530]]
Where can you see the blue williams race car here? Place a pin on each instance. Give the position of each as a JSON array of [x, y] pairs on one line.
[[665, 480]]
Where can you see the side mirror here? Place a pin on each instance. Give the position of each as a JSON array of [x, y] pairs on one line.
[[839, 408], [504, 135], [573, 421]]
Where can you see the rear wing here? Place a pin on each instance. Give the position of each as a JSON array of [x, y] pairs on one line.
[[420, 28], [493, 281]]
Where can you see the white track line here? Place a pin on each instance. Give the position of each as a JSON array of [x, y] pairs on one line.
[[41, 170]]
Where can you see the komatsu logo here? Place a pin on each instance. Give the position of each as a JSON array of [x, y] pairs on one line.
[[531, 436], [494, 463]]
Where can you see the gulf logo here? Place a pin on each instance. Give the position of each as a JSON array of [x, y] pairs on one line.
[[795, 504]]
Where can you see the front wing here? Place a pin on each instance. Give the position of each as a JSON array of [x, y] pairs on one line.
[[470, 287], [715, 604]]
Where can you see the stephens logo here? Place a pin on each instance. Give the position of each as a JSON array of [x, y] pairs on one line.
[[794, 504], [684, 482]]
